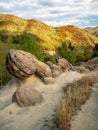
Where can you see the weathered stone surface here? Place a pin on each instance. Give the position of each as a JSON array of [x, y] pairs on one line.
[[80, 69], [49, 80], [63, 63], [20, 64], [43, 70], [23, 64], [56, 70], [27, 96]]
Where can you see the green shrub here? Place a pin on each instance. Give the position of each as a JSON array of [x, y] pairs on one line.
[[95, 50], [4, 75], [65, 52], [48, 57], [28, 43], [83, 53], [73, 54]]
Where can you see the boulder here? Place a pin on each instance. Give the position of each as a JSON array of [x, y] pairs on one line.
[[63, 63], [56, 70], [56, 74], [43, 70], [20, 64], [27, 96], [48, 80]]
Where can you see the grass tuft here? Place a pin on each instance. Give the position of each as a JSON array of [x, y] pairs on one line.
[[76, 94]]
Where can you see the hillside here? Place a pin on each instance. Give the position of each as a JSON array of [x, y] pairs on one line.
[[38, 38], [15, 25], [50, 37], [92, 30], [76, 35]]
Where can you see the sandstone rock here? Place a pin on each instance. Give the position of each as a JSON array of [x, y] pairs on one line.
[[43, 70], [23, 64], [27, 96], [20, 64], [56, 70], [49, 80], [80, 69], [56, 74], [63, 63]]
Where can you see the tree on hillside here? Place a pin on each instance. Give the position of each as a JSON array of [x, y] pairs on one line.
[[83, 53], [28, 43], [65, 51], [95, 50]]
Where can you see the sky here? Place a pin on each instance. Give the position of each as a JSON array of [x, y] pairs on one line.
[[81, 13]]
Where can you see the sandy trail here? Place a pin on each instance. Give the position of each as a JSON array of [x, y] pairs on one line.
[[39, 117]]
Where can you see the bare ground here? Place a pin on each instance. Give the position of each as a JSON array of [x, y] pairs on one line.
[[39, 117]]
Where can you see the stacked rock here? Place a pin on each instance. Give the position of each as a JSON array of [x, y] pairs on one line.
[[23, 64], [44, 72]]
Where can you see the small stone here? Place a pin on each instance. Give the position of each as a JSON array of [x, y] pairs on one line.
[[49, 80], [43, 70]]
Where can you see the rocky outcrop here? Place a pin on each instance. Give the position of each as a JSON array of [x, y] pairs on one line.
[[56, 70], [27, 96], [20, 64], [23, 65]]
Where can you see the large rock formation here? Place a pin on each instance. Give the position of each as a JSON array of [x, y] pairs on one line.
[[27, 96], [23, 64], [20, 64]]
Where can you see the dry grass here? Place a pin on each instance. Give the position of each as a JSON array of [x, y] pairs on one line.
[[75, 95]]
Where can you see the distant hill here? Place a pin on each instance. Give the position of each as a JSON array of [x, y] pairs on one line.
[[15, 25], [92, 30], [76, 35], [49, 36]]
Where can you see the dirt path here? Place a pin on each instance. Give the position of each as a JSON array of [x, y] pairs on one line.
[[39, 117]]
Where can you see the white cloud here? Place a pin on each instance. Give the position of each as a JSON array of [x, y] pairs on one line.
[[52, 11], [6, 5]]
